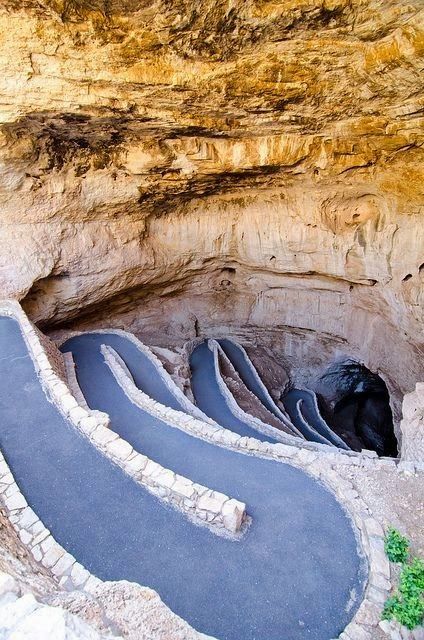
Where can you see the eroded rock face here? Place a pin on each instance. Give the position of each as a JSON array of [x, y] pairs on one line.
[[253, 167]]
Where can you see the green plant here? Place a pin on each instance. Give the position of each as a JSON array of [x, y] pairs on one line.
[[407, 604], [396, 546]]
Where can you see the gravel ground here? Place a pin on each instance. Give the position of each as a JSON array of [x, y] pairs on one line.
[[396, 499]]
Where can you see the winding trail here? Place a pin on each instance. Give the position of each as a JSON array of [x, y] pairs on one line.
[[320, 431], [310, 414], [246, 371], [290, 576], [209, 397]]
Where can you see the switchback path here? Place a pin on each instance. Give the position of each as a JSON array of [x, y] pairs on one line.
[[291, 575], [309, 411], [310, 414], [244, 368]]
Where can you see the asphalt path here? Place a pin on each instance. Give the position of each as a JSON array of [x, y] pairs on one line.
[[311, 415], [289, 577], [236, 356]]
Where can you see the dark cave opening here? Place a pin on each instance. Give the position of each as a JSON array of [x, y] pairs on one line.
[[356, 404]]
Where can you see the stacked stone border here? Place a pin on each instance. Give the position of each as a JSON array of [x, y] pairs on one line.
[[252, 421], [189, 407], [201, 504], [38, 539], [318, 461], [275, 433], [243, 394], [321, 465], [313, 434], [257, 424], [284, 417], [324, 426], [220, 360]]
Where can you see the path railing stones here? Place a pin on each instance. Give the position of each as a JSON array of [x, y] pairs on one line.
[[311, 433], [283, 416], [242, 394], [213, 507], [325, 430], [169, 383], [317, 463], [253, 422], [38, 539], [71, 379], [201, 504], [320, 461]]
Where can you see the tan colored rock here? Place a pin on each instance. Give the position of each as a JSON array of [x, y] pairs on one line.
[[115, 115], [412, 426], [253, 169]]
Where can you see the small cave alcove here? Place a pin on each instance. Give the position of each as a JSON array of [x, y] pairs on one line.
[[356, 404]]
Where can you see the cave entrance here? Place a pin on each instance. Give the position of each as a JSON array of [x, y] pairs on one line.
[[356, 404]]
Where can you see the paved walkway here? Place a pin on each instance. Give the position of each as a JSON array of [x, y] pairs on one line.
[[209, 397], [311, 416], [237, 357], [291, 575]]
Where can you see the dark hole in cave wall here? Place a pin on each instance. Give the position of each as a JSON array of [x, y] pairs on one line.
[[356, 404]]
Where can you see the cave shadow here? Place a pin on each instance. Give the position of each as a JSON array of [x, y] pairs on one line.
[[359, 410]]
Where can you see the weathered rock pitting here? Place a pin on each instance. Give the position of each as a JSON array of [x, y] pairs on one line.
[[253, 170]]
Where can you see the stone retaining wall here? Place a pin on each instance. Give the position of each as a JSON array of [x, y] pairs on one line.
[[322, 465], [38, 539], [200, 503], [247, 418], [320, 461], [189, 407], [284, 417], [53, 354], [325, 427], [245, 397], [213, 507], [412, 427], [313, 434]]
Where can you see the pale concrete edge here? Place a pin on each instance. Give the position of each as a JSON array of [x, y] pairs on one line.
[[166, 378], [211, 507], [371, 531]]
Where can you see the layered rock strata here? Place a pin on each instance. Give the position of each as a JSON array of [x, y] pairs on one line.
[[257, 166]]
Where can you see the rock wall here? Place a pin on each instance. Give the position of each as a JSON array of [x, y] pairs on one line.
[[412, 426], [253, 167]]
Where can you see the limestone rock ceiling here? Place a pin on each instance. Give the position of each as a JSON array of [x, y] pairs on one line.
[[146, 146]]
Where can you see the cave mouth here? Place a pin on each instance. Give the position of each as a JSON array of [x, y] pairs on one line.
[[356, 404], [302, 332]]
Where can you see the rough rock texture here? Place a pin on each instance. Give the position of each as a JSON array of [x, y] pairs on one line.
[[254, 165], [412, 425], [16, 561], [137, 612], [22, 617]]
